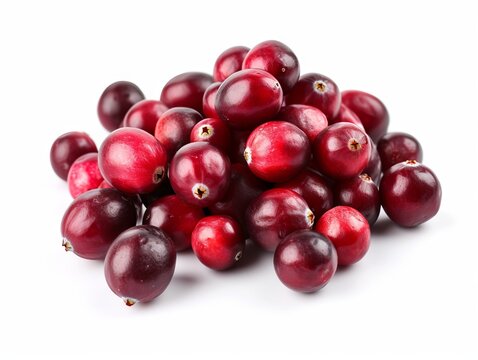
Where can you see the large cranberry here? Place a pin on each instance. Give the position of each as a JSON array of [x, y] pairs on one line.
[[84, 175], [229, 62], [144, 115], [374, 166], [307, 118], [213, 131], [209, 101], [346, 115], [396, 147]]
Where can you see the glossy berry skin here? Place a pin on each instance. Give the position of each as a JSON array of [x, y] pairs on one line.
[[144, 115], [186, 90], [371, 111], [374, 166], [307, 118], [305, 261], [275, 214], [346, 115], [115, 102], [342, 151], [209, 101], [213, 131], [218, 242], [348, 231], [248, 98], [277, 59], [316, 90], [84, 175], [277, 151], [396, 147], [140, 264], [175, 217], [132, 160], [199, 173], [229, 62], [410, 193], [94, 219]]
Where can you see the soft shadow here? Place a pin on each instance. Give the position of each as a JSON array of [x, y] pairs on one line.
[[383, 226], [251, 255]]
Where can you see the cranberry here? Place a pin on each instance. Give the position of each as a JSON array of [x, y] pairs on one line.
[[371, 111], [342, 151], [115, 102], [213, 131], [84, 174], [164, 189], [349, 232], [186, 90], [200, 174], [132, 160], [248, 98], [67, 148], [94, 219], [374, 166], [229, 62], [305, 261], [144, 115], [209, 101], [238, 146], [140, 264], [307, 118], [316, 90], [275, 214], [277, 151], [396, 147], [346, 115], [410, 193], [277, 59]]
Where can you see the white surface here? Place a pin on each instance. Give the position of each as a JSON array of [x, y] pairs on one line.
[[415, 293]]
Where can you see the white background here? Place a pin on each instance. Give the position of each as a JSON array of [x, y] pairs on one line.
[[415, 293]]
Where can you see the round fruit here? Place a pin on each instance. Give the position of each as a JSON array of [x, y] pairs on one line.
[[346, 115], [209, 101], [396, 147], [307, 118], [84, 175], [213, 131], [229, 62], [144, 115]]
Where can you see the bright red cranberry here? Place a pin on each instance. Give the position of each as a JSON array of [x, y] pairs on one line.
[[213, 131], [371, 111], [209, 101], [307, 118], [186, 90], [132, 160], [346, 115], [275, 214], [84, 175], [200, 174], [410, 193], [218, 242], [238, 145], [115, 102], [94, 219], [316, 90], [305, 261], [229, 62], [374, 166], [164, 189], [140, 264], [144, 115], [348, 231], [396, 147], [342, 151], [277, 59], [248, 98], [277, 151]]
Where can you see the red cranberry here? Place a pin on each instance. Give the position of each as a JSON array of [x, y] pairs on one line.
[[346, 115], [342, 151], [396, 147], [84, 175], [115, 102], [277, 59], [94, 219], [371, 111], [305, 261], [218, 242], [209, 101], [144, 115], [238, 146], [277, 151], [213, 131], [140, 264], [136, 199], [349, 232], [186, 90], [164, 189], [410, 193], [132, 160], [374, 166], [229, 62], [275, 214], [316, 90], [307, 118], [248, 98], [200, 174]]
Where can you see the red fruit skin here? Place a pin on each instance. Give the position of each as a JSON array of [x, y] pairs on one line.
[[84, 175], [229, 62], [396, 147], [348, 231], [213, 131], [307, 118], [132, 161], [374, 166], [209, 101], [144, 115], [136, 199], [346, 115]]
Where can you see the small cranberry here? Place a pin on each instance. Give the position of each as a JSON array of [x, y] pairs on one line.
[[307, 118], [396, 147], [213, 131], [229, 62], [346, 115], [84, 175], [144, 115], [209, 101]]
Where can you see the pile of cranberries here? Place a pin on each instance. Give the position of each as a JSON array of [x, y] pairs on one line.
[[256, 151]]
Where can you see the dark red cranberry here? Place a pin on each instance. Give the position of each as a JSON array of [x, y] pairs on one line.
[[348, 231], [371, 111], [140, 264], [186, 90], [144, 115], [115, 102], [67, 148], [132, 160], [84, 175], [410, 193], [342, 151], [275, 214], [396, 147], [209, 101], [277, 151], [305, 261], [213, 131], [164, 189], [307, 118], [316, 90], [277, 59], [248, 98], [218, 242], [238, 145], [229, 62], [346, 115], [200, 174], [175, 217], [94, 219], [374, 166]]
